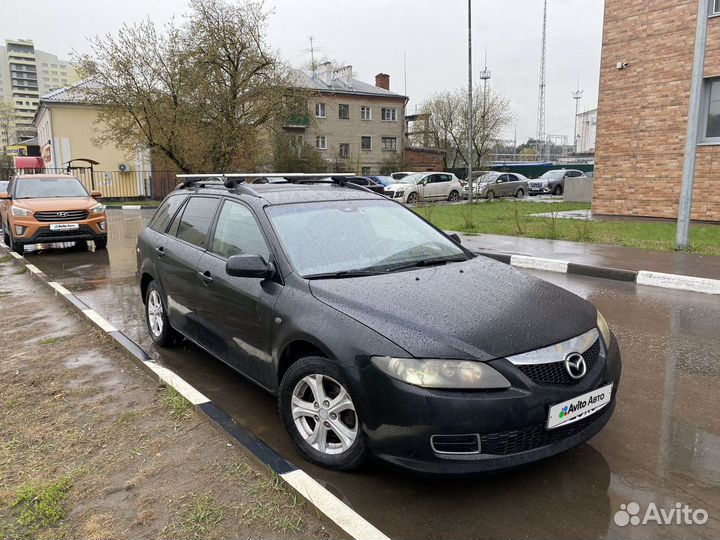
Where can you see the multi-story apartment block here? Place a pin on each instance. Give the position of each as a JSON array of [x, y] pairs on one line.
[[25, 74], [356, 126], [586, 129], [645, 78]]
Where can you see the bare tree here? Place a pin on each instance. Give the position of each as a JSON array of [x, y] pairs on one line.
[[8, 118], [199, 93], [448, 123]]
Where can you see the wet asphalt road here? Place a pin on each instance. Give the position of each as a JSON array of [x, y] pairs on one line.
[[661, 446]]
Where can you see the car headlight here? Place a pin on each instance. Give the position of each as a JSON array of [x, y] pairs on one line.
[[20, 212], [604, 328], [431, 373], [98, 209]]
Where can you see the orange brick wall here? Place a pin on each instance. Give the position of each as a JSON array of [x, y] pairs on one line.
[[642, 111]]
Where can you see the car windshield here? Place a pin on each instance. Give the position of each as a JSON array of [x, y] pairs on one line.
[[3, 186], [553, 175], [413, 178], [35, 188], [489, 177], [358, 237]]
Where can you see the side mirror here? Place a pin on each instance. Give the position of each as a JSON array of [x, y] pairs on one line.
[[4, 196], [95, 194], [455, 238], [252, 266]]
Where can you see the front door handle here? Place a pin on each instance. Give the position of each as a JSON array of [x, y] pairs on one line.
[[160, 251], [206, 277]]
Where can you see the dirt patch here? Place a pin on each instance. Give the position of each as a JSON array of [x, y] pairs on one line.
[[91, 447]]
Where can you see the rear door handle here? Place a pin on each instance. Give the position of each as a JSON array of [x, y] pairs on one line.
[[160, 251], [206, 277]]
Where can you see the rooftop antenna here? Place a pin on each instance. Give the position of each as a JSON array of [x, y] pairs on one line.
[[405, 70], [541, 89], [577, 96], [311, 50]]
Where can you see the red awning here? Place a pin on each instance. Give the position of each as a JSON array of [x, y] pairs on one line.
[[33, 163]]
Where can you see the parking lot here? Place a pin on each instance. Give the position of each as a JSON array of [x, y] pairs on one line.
[[660, 447]]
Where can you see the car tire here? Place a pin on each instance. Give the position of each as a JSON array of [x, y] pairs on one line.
[[490, 195], [558, 190], [413, 198], [156, 318], [519, 194], [15, 246], [101, 243], [308, 391], [454, 196], [6, 237]]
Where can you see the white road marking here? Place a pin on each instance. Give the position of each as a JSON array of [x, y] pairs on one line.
[[16, 255], [95, 317], [131, 207], [179, 384], [34, 269], [59, 288], [345, 517], [537, 263], [675, 281]]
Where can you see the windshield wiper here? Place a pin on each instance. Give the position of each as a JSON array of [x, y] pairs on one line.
[[343, 274], [437, 261]]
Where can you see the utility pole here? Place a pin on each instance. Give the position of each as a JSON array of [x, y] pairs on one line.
[[470, 106], [577, 96], [541, 89], [485, 77], [686, 191]]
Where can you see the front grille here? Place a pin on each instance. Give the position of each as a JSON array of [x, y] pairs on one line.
[[46, 234], [555, 372], [62, 215], [521, 440], [455, 444]]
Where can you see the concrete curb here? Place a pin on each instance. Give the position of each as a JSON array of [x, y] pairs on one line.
[[298, 480], [642, 277]]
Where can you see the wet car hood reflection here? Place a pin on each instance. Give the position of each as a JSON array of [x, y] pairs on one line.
[[479, 309]]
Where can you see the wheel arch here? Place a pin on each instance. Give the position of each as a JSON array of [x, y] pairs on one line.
[[145, 279], [296, 349]]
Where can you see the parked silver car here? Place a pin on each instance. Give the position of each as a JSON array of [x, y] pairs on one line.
[[553, 182], [416, 187], [497, 184]]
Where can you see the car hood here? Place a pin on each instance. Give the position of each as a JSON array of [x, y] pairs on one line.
[[478, 309], [56, 203], [398, 186]]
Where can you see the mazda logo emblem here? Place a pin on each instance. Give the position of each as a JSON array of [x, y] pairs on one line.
[[62, 214], [575, 365]]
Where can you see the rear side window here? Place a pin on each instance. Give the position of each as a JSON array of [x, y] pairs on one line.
[[237, 233], [165, 213], [194, 225]]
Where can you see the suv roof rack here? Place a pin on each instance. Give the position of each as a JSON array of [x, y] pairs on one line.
[[227, 181], [235, 181]]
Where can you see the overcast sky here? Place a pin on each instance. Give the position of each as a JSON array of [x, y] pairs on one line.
[[372, 35]]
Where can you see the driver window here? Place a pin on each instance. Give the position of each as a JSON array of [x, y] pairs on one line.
[[237, 233]]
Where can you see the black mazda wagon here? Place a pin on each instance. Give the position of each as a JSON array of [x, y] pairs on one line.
[[379, 334]]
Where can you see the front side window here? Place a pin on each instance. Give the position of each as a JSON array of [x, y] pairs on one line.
[[165, 213], [389, 143], [366, 112], [321, 142], [194, 225], [337, 236], [389, 115], [344, 112], [237, 233], [320, 110], [33, 188], [366, 143], [713, 116]]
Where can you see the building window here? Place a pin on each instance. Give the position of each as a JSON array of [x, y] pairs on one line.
[[344, 112], [320, 110], [716, 7], [366, 171], [712, 131], [321, 142], [366, 112], [389, 143], [389, 115], [366, 143], [344, 150]]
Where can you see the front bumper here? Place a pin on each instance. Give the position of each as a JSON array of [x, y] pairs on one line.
[[510, 424], [36, 232]]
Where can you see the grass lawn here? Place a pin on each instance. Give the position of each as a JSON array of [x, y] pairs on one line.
[[512, 218]]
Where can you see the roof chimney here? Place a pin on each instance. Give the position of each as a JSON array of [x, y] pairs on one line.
[[382, 80]]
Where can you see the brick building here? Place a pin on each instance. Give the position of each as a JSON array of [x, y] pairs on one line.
[[356, 126], [645, 76]]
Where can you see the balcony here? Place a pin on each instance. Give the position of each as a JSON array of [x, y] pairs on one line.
[[296, 121]]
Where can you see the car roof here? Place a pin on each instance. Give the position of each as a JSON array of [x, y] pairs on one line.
[[290, 193]]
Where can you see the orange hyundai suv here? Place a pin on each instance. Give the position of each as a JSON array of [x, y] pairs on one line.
[[46, 208]]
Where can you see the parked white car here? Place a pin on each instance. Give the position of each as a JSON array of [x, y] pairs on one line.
[[426, 186]]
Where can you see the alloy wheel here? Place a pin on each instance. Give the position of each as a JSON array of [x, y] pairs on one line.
[[155, 313], [324, 414]]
